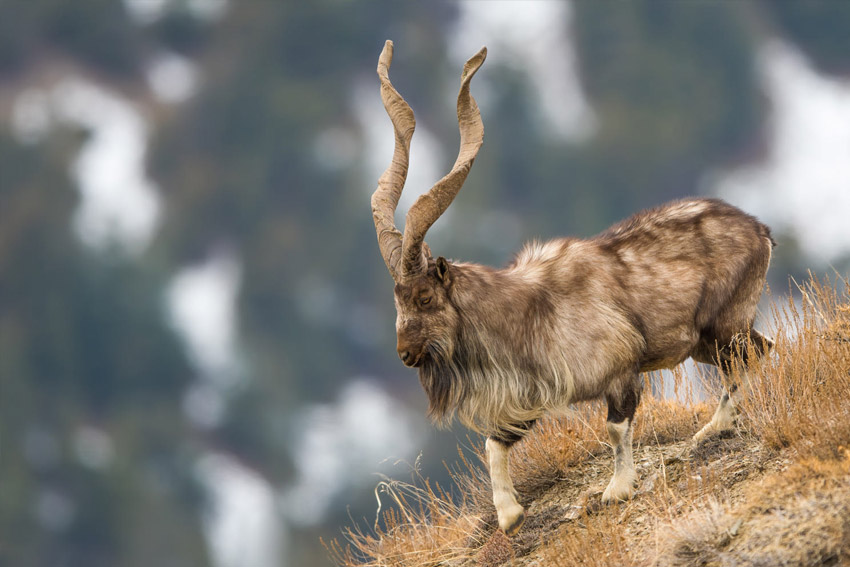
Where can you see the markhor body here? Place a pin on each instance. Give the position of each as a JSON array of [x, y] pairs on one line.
[[572, 320], [569, 319]]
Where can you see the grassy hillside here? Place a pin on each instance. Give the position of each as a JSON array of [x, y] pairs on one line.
[[775, 491]]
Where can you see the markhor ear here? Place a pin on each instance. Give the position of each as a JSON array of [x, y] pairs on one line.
[[443, 270]]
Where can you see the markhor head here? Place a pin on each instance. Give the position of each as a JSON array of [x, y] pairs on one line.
[[427, 320]]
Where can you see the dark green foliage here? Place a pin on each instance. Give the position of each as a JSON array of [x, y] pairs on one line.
[[84, 344], [180, 31], [675, 87], [98, 32], [819, 27]]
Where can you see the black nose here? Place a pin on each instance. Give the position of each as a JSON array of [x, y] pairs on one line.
[[404, 355]]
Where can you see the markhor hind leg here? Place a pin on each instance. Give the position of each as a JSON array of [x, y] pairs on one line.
[[723, 418], [510, 513], [734, 354], [621, 413]]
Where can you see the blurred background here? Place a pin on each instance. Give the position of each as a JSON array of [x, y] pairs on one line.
[[197, 360]]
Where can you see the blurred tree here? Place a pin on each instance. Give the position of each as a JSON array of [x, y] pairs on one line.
[[97, 32], [675, 87], [94, 440]]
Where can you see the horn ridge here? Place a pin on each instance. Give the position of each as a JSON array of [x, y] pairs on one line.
[[429, 206], [390, 184]]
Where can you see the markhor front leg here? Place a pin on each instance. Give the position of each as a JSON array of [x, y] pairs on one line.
[[511, 515]]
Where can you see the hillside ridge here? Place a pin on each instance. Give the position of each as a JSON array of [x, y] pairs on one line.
[[775, 490]]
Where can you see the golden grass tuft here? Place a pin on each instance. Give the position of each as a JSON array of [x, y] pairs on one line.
[[798, 397], [421, 526], [774, 492]]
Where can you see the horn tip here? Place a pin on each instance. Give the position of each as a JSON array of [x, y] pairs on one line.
[[386, 58], [473, 64], [479, 57]]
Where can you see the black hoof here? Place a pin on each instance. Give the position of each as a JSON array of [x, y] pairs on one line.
[[514, 527]]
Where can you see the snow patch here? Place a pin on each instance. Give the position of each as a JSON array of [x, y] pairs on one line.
[[172, 78], [534, 38], [120, 205], [242, 525], [803, 187], [345, 445], [202, 303]]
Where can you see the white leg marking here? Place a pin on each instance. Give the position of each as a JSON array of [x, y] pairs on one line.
[[511, 514], [724, 415], [622, 485]]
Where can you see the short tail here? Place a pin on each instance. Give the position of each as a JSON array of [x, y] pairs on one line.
[[766, 233]]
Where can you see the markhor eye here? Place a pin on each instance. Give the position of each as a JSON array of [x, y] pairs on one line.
[[425, 300]]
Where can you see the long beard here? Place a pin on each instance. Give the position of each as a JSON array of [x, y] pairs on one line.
[[441, 378], [488, 394], [447, 376]]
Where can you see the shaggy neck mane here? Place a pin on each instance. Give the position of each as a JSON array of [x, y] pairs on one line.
[[485, 373]]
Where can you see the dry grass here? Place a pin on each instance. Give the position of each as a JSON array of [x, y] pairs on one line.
[[421, 526], [774, 492], [800, 399], [800, 516], [596, 541]]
